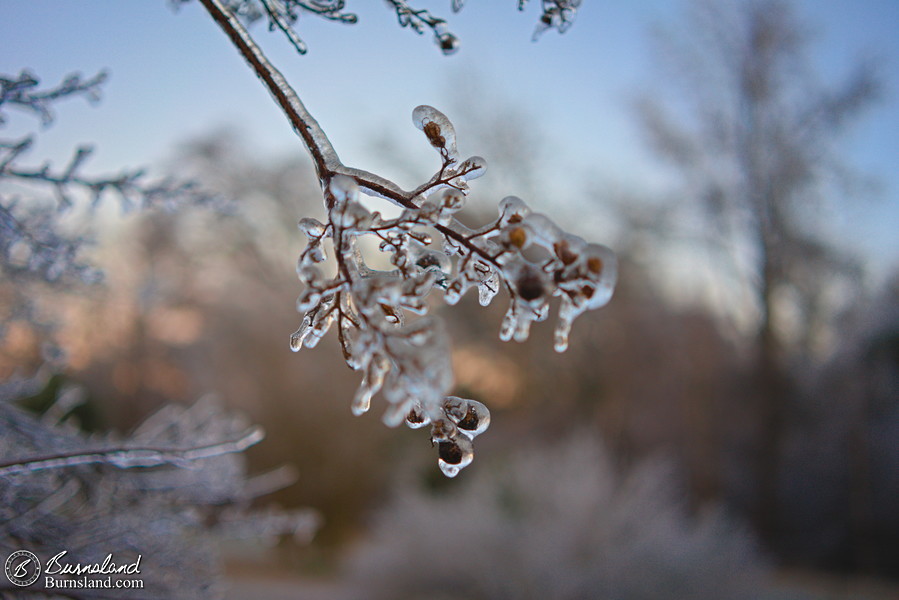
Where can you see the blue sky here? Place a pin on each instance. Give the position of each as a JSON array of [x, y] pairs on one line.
[[173, 74]]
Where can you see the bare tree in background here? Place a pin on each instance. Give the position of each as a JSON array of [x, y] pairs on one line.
[[754, 133]]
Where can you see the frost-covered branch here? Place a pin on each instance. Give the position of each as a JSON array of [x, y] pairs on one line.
[[130, 187], [406, 359], [101, 494], [23, 91], [284, 14], [130, 456]]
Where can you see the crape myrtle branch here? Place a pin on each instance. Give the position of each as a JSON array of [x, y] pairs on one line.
[[284, 14], [408, 362]]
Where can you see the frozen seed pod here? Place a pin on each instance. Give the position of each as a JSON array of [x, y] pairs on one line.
[[512, 209], [452, 200], [470, 416], [416, 419], [437, 262], [454, 455], [443, 430], [448, 43], [531, 284], [438, 129], [602, 269]]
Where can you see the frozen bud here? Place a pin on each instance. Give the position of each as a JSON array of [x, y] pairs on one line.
[[569, 248], [438, 129], [517, 236], [311, 227], [314, 253], [602, 268], [512, 209], [435, 261], [452, 200], [448, 43], [470, 416], [454, 455], [416, 419]]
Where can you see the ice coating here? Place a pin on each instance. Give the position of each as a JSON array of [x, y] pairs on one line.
[[438, 129], [405, 359], [454, 455]]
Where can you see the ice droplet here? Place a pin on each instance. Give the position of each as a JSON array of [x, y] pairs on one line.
[[454, 455], [488, 288], [448, 43], [542, 228], [311, 227], [470, 416], [437, 127], [563, 329], [472, 168], [452, 199], [602, 267], [512, 209], [417, 419]]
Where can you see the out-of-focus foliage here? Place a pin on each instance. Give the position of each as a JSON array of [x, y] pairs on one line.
[[171, 492], [175, 487], [555, 522]]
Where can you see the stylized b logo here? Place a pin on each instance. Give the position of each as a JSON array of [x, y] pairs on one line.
[[20, 571], [22, 568]]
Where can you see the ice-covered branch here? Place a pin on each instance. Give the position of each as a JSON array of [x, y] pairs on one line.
[[284, 14], [130, 187], [404, 358], [22, 91], [127, 457], [56, 484]]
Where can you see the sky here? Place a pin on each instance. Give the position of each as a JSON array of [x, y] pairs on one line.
[[173, 75]]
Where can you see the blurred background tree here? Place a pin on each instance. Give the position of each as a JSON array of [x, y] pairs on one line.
[[755, 135]]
